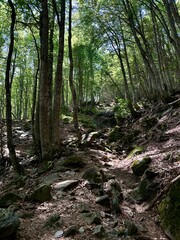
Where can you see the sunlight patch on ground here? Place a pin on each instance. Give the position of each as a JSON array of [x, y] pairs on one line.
[[174, 130], [45, 206]]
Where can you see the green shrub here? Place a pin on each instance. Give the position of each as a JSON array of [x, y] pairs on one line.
[[121, 109]]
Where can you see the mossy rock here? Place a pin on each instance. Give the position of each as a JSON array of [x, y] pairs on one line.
[[140, 166], [115, 134], [169, 210], [41, 194], [74, 161]]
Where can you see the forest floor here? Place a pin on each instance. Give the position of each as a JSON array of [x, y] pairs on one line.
[[114, 159]]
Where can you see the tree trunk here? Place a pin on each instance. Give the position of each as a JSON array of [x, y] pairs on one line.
[[71, 83], [168, 5], [58, 78], [44, 97], [8, 83], [130, 105], [35, 117], [50, 70]]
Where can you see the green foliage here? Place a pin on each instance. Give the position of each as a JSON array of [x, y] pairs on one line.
[[67, 119], [137, 150], [86, 120], [101, 33], [121, 109]]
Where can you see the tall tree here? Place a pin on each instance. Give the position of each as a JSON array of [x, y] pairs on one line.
[[71, 68], [8, 85], [58, 77], [44, 93]]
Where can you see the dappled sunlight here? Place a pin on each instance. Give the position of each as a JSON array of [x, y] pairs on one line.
[[175, 129]]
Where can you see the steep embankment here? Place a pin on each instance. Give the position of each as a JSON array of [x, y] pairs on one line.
[[92, 191]]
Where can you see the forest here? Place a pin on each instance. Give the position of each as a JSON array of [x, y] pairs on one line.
[[89, 119]]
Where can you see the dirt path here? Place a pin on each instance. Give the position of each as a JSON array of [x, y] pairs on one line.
[[67, 205], [116, 164]]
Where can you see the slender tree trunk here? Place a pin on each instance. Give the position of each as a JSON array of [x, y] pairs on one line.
[[35, 117], [168, 5], [158, 48], [142, 45], [58, 78], [44, 97], [80, 83], [12, 153], [130, 106], [173, 16], [116, 45], [26, 101], [71, 83], [21, 91], [128, 67], [50, 70]]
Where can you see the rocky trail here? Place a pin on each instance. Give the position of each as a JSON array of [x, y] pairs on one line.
[[108, 187]]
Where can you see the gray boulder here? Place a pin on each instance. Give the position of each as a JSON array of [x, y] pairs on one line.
[[93, 175], [115, 194]]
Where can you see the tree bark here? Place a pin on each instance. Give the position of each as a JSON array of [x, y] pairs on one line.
[[168, 5], [50, 70], [44, 97], [71, 83], [58, 78], [8, 83], [35, 121]]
